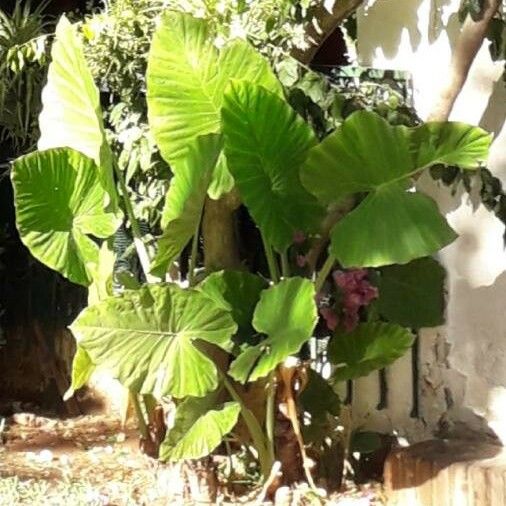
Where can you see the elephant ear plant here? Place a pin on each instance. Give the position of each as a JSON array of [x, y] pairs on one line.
[[222, 124]]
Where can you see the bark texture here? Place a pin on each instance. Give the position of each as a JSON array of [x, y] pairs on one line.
[[219, 231], [326, 19]]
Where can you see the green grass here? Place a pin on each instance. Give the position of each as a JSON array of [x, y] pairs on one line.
[[14, 491]]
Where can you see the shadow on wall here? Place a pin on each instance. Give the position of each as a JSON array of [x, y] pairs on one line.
[[494, 115], [435, 19], [402, 17]]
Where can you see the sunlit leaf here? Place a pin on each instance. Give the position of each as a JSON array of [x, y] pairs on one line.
[[186, 80], [146, 338], [368, 155], [59, 207], [199, 427], [82, 369], [390, 226], [185, 199], [287, 314], [71, 114]]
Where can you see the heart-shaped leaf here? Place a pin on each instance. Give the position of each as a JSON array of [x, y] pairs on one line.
[[369, 347], [390, 226], [146, 338], [186, 80], [287, 314], [185, 199], [412, 295], [59, 204], [266, 143], [199, 427], [366, 154], [71, 114], [237, 292]]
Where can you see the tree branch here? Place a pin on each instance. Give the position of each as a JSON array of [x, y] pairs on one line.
[[468, 44], [325, 21]]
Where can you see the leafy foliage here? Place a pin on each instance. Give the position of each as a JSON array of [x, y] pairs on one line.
[[207, 87], [199, 427], [413, 294], [59, 205], [369, 347], [184, 202], [71, 115], [237, 292], [266, 143], [23, 61], [286, 313], [187, 78], [147, 339], [398, 226]]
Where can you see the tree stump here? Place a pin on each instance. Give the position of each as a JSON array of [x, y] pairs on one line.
[[447, 473]]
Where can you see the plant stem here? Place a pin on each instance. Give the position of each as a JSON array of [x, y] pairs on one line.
[[324, 272], [285, 266], [254, 428], [140, 247], [271, 261], [270, 413], [143, 428], [193, 257]]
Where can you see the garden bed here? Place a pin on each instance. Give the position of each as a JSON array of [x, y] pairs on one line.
[[91, 460]]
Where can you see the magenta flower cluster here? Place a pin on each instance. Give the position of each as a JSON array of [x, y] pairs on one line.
[[356, 292]]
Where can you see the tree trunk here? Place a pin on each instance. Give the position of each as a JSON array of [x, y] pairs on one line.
[[326, 20], [468, 44], [218, 229]]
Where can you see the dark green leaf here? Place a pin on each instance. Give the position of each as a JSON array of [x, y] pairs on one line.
[[412, 295], [237, 292], [266, 143], [371, 346]]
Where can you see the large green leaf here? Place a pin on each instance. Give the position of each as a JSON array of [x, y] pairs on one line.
[[369, 347], [71, 114], [390, 226], [412, 295], [185, 199], [186, 81], [366, 154], [146, 338], [449, 143], [287, 314], [59, 204], [199, 427], [266, 143], [237, 292]]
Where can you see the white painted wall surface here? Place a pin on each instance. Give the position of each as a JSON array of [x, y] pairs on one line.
[[463, 381]]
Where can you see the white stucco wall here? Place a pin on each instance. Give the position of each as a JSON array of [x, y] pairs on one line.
[[464, 363]]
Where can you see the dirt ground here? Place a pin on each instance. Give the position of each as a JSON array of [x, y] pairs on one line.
[[92, 460]]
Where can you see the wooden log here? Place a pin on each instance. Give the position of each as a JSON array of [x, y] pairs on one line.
[[446, 473]]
